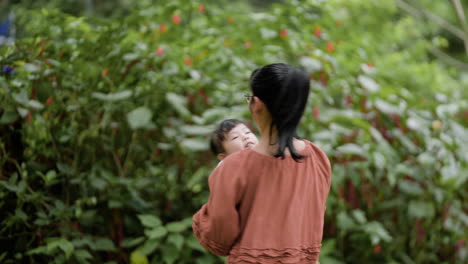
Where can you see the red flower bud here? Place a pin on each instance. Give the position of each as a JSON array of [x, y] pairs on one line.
[[188, 61], [283, 33], [318, 32], [316, 113], [104, 73], [162, 28], [201, 8], [377, 249], [160, 51], [176, 19], [230, 19], [330, 47], [28, 118], [49, 101]]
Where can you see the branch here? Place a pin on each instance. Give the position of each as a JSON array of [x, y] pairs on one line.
[[461, 17], [448, 59], [438, 20]]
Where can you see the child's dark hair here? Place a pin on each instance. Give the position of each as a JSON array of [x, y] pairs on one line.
[[284, 90], [219, 135]]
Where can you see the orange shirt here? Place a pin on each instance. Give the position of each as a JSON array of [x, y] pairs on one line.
[[264, 209]]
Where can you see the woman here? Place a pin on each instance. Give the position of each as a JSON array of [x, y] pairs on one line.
[[267, 204]]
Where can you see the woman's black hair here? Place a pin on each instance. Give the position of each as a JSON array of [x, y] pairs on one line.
[[284, 90]]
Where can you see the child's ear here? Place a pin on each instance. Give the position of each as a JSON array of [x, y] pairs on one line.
[[221, 156]]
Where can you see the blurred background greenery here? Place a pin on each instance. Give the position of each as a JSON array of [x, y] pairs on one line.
[[106, 107]]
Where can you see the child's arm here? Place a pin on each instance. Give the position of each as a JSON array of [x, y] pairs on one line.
[[216, 224]]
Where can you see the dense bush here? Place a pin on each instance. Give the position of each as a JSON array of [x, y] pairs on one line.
[[103, 126]]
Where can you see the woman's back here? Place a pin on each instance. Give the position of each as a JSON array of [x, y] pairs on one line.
[[280, 205]]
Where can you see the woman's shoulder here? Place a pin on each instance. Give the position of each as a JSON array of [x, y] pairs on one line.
[[317, 153]]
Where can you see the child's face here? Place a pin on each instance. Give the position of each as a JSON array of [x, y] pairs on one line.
[[239, 138]]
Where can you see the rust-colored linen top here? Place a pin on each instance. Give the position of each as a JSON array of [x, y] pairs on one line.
[[264, 209]]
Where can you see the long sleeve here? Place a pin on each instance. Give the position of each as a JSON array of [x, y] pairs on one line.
[[216, 225]]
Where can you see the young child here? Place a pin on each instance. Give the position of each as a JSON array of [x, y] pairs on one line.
[[230, 136]]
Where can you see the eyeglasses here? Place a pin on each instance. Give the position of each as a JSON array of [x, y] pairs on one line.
[[248, 97]]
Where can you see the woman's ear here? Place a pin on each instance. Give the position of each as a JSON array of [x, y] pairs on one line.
[[256, 104]]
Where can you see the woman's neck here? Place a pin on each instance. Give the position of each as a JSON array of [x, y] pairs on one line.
[[268, 143]]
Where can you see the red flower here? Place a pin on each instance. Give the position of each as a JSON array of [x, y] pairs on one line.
[[49, 101], [339, 23], [283, 33], [316, 113], [162, 28], [201, 8], [230, 19], [330, 47], [104, 73], [176, 19], [188, 61], [28, 118], [318, 32], [377, 249], [248, 44], [160, 51], [370, 64]]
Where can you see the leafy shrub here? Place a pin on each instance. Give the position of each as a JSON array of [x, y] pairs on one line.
[[104, 125]]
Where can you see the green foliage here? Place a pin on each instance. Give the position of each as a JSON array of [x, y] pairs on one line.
[[104, 128]]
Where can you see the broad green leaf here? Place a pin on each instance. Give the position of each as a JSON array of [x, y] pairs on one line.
[[176, 226], [329, 260], [194, 244], [310, 64], [112, 97], [377, 232], [140, 118], [359, 216], [194, 144], [8, 117], [33, 68], [351, 149], [170, 254], [379, 160], [83, 254], [179, 103], [150, 220], [197, 177], [38, 250], [104, 244], [149, 246], [98, 183], [67, 247], [368, 83], [34, 104], [328, 246], [387, 107], [196, 130], [21, 214], [344, 221], [138, 257], [410, 187], [156, 232], [420, 209], [131, 242], [177, 240]]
